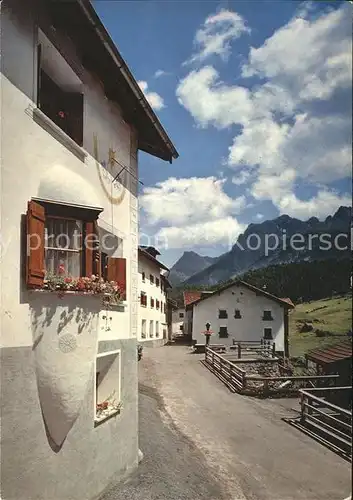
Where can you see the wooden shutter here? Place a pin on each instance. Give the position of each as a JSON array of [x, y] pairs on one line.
[[117, 272], [35, 245], [74, 111]]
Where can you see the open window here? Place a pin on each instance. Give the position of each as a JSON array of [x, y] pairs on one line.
[[63, 246], [143, 329], [59, 90], [108, 385]]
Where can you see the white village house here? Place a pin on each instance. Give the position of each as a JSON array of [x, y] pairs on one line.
[[240, 312], [73, 120], [153, 286]]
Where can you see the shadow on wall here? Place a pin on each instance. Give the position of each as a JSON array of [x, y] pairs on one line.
[[65, 337]]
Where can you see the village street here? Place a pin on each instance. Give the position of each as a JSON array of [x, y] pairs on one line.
[[202, 442]]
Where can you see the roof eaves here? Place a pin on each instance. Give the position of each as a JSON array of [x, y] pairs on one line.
[[92, 16]]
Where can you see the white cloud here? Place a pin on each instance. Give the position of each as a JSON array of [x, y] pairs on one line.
[[154, 99], [179, 201], [221, 231], [216, 35], [160, 72], [280, 188], [184, 206], [296, 123]]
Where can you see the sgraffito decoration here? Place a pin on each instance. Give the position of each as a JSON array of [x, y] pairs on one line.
[[114, 189]]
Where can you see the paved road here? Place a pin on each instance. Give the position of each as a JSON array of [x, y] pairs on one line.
[[202, 442]]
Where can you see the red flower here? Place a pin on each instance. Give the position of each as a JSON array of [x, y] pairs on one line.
[[68, 280], [61, 114]]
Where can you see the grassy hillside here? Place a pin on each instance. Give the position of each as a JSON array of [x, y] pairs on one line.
[[330, 318]]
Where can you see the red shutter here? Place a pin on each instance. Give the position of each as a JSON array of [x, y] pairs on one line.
[[35, 244], [117, 272]]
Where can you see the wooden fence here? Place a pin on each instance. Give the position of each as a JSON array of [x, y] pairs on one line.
[[239, 381], [251, 348], [327, 420]]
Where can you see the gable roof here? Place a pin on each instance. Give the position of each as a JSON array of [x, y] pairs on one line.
[[191, 296], [284, 302], [332, 354], [144, 253]]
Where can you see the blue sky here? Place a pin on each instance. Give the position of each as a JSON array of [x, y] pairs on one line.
[[256, 97]]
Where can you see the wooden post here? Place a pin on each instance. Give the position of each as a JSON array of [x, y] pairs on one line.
[[244, 380], [302, 413], [239, 351], [274, 350]]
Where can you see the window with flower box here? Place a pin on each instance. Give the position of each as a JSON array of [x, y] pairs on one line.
[[64, 251]]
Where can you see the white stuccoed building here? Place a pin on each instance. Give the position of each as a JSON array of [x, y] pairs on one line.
[[240, 312], [73, 120], [153, 288]]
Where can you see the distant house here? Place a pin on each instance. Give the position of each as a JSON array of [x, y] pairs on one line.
[[240, 312], [153, 286]]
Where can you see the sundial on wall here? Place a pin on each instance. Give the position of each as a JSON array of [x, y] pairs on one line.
[[107, 168]]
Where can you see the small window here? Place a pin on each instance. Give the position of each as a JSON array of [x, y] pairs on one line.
[[157, 282], [222, 314], [267, 316], [181, 315], [152, 302], [151, 279], [268, 334], [237, 314], [151, 328], [143, 329], [108, 378], [157, 304], [143, 277], [223, 332], [181, 328], [143, 299], [157, 328]]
